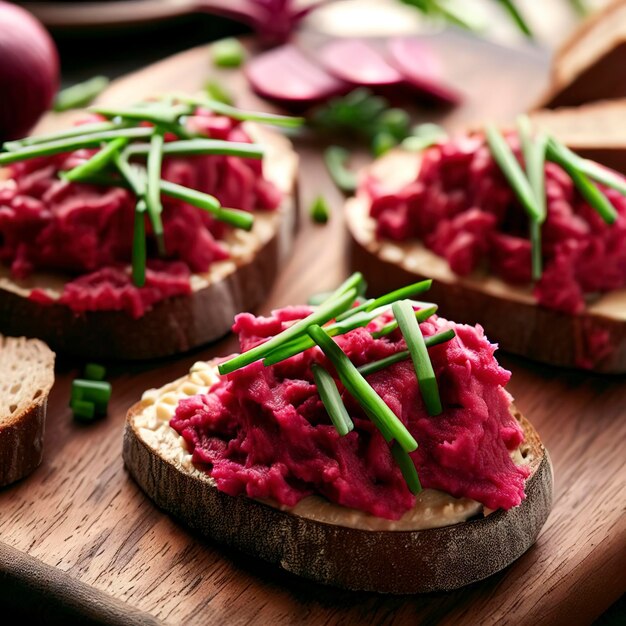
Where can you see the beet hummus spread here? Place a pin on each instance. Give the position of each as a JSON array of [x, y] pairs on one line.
[[461, 206], [86, 231], [264, 432]]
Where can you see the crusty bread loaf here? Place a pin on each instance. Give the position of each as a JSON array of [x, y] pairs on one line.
[[589, 66], [179, 323], [389, 561], [595, 131], [26, 377], [509, 314]]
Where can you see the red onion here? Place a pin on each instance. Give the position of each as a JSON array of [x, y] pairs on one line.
[[29, 71]]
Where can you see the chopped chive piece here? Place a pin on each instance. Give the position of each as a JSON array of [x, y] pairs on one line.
[[319, 210], [131, 174], [234, 113], [514, 13], [153, 190], [405, 315], [300, 344], [68, 144], [361, 390], [83, 409], [504, 157], [382, 143], [357, 309], [82, 129], [421, 316], [202, 146], [234, 217], [381, 364], [80, 95], [587, 189], [139, 254], [424, 136], [96, 391], [95, 371], [332, 401], [97, 162], [156, 113], [354, 281], [335, 159], [407, 467], [326, 311], [228, 53], [535, 249], [216, 91]]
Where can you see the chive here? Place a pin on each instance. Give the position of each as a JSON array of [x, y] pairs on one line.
[[421, 316], [504, 157], [360, 389], [354, 281], [587, 189], [80, 95], [335, 159], [216, 91], [96, 391], [95, 371], [134, 176], [332, 401], [383, 142], [405, 315], [243, 116], [381, 364], [389, 298], [75, 131], [139, 245], [300, 344], [321, 315], [234, 217], [319, 210], [157, 113], [317, 298], [97, 162], [228, 53], [83, 409], [153, 190], [424, 136], [514, 13], [202, 146], [68, 144], [407, 467]]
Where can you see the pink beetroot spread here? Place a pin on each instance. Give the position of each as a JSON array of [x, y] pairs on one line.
[[86, 231], [462, 207], [264, 432]]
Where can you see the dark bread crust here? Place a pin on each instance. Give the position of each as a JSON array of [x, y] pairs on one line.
[[173, 325], [520, 327], [396, 562]]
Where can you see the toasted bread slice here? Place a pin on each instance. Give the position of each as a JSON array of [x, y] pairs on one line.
[[26, 377], [588, 66], [510, 314], [595, 131], [180, 323], [447, 543]]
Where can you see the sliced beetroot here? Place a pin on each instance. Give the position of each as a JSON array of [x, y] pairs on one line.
[[359, 63], [420, 68], [287, 76]]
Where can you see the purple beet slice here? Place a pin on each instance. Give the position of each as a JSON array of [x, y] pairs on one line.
[[287, 76], [420, 68], [359, 63]]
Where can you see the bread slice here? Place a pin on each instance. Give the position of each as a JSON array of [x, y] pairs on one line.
[[590, 64], [26, 377], [451, 543], [180, 323], [596, 131], [509, 314]]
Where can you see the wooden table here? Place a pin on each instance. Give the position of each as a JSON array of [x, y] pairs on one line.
[[80, 542]]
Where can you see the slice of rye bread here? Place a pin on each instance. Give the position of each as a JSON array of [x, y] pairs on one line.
[[590, 64], [386, 561], [26, 377], [510, 314], [595, 131], [180, 323]]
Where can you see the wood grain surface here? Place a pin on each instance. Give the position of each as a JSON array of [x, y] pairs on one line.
[[81, 514]]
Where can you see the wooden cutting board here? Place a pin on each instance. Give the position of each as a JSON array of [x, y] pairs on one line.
[[79, 542]]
